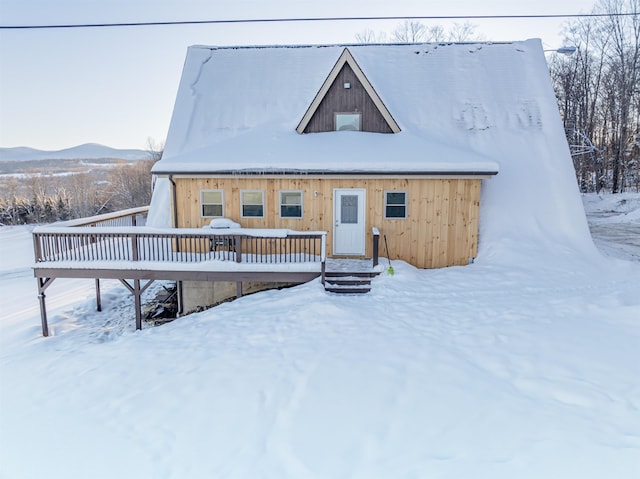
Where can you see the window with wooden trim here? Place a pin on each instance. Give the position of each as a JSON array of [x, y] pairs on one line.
[[395, 204], [291, 204], [348, 121], [212, 203], [252, 204]]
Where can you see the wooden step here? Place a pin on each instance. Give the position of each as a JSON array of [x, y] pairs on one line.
[[358, 274], [344, 290], [348, 282]]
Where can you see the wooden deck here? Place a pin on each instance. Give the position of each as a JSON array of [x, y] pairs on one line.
[[116, 246], [119, 246]]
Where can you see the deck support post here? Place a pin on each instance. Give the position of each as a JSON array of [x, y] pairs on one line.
[[136, 294], [43, 315], [98, 299], [238, 289], [180, 298], [43, 284], [137, 291]]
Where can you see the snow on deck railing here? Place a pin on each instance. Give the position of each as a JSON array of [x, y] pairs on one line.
[[129, 217], [58, 243]]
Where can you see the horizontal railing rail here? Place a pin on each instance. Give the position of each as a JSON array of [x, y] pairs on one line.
[[129, 217], [108, 244]]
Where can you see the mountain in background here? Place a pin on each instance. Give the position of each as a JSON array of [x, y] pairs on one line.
[[87, 151]]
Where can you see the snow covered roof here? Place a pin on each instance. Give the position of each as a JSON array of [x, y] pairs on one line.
[[237, 108]]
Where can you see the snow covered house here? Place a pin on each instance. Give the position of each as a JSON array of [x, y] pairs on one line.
[[318, 151], [342, 139]]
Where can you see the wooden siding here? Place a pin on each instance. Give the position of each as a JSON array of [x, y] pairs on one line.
[[347, 100], [441, 228]]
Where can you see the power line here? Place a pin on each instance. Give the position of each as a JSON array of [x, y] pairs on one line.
[[309, 19]]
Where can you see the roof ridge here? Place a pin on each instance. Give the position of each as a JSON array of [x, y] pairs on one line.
[[348, 45]]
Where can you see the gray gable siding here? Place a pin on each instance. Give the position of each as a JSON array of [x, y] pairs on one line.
[[342, 100]]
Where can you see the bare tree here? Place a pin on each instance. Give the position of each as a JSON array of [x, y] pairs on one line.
[[154, 149], [36, 184], [578, 81], [417, 32], [436, 33], [370, 36], [463, 32], [624, 59], [410, 32], [130, 185], [598, 95]]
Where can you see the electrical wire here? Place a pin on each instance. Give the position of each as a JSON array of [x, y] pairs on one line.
[[308, 19]]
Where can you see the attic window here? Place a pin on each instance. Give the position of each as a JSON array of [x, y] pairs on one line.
[[347, 121]]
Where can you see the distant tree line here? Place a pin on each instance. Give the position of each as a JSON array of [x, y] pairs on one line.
[[598, 95], [45, 198], [412, 31]]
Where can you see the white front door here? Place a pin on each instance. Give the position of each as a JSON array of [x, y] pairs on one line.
[[349, 221]]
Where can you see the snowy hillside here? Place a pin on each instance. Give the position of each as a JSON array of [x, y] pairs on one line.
[[86, 151], [520, 370]]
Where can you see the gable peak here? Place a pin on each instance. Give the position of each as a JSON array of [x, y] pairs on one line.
[[346, 59]]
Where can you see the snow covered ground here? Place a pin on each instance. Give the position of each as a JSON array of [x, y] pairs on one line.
[[614, 221], [527, 368]]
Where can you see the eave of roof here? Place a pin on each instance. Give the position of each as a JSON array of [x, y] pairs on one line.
[[330, 173]]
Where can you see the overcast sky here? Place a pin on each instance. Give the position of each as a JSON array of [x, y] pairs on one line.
[[116, 86]]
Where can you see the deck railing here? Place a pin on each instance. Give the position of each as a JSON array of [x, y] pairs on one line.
[[128, 217], [109, 244], [114, 246]]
